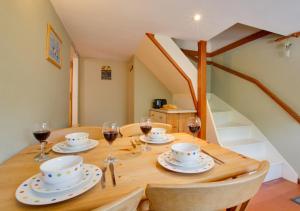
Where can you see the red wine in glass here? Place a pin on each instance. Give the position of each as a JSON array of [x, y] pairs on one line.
[[194, 124], [41, 132], [146, 126], [110, 131], [194, 128], [146, 129], [110, 136], [41, 135]]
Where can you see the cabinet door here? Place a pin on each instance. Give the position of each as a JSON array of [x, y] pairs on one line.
[[172, 119], [158, 116], [183, 121]]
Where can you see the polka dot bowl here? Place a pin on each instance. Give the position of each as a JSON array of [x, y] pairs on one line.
[[77, 139], [185, 152], [62, 170]]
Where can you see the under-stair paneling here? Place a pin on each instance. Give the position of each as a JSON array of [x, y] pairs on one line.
[[155, 61]]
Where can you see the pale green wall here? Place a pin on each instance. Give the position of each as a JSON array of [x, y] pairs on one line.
[[146, 87], [102, 100], [31, 88], [264, 60]]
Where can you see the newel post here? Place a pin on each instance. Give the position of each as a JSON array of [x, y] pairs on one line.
[[201, 105]]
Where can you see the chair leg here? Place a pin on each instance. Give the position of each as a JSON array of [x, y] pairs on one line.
[[241, 207], [244, 205], [231, 208]]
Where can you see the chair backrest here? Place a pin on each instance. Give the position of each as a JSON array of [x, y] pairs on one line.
[[206, 196], [129, 202], [134, 129], [58, 135]]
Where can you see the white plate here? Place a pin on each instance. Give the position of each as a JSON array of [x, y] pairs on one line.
[[164, 157], [62, 147], [201, 161], [39, 186], [26, 195], [65, 145], [168, 139]]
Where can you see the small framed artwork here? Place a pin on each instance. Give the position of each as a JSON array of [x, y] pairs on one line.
[[53, 47], [105, 73]]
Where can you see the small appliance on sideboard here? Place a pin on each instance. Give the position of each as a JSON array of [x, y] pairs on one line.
[[159, 103]]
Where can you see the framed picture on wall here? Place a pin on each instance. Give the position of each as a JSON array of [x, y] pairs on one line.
[[53, 47], [105, 73]]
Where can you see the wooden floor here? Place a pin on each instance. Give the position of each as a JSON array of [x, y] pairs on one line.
[[276, 196]]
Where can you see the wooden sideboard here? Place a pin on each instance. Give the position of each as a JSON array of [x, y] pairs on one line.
[[177, 118]]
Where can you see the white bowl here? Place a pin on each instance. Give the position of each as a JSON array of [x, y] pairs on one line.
[[76, 139], [157, 133], [185, 152], [62, 169]]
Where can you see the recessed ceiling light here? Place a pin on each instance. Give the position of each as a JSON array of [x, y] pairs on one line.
[[197, 17]]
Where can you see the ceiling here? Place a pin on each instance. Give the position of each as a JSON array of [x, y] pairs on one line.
[[230, 35], [112, 29]]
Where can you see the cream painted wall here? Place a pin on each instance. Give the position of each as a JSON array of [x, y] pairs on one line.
[[264, 60], [31, 88], [102, 100], [145, 88]]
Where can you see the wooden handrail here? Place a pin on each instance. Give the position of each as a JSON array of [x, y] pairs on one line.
[[267, 91], [296, 34], [174, 63], [240, 42], [250, 38]]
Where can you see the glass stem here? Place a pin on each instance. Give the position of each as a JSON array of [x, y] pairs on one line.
[[43, 150], [110, 152]]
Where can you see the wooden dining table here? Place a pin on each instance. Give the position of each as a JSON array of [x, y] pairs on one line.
[[133, 169]]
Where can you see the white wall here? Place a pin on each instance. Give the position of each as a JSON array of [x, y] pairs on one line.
[[102, 100], [264, 60], [145, 88], [31, 88]]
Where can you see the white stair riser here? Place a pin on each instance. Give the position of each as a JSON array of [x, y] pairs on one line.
[[250, 150], [234, 133], [239, 134], [221, 117], [275, 172]]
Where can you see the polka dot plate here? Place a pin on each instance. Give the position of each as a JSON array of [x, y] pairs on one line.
[[63, 147], [168, 138], [39, 186], [25, 194], [166, 160]]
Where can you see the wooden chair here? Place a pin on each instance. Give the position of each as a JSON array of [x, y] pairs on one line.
[[58, 135], [129, 202], [134, 129], [231, 194]]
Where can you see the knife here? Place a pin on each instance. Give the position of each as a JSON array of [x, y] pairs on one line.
[[112, 171], [103, 180]]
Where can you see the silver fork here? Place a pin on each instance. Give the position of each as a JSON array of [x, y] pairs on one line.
[[103, 180]]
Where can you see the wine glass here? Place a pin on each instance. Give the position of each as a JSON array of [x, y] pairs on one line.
[[146, 126], [194, 124], [41, 132], [110, 132]]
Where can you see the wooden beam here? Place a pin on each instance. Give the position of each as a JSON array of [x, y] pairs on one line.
[[189, 52], [201, 108], [240, 42], [231, 46], [174, 63], [260, 85], [194, 58], [296, 34]]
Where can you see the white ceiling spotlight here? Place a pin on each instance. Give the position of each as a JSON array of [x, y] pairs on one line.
[[197, 17]]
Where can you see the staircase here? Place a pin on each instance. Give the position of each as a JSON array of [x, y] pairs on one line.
[[236, 132]]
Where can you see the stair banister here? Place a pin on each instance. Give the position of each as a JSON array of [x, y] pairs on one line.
[[260, 85]]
